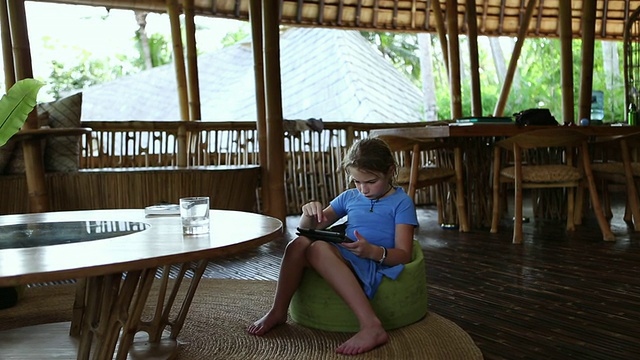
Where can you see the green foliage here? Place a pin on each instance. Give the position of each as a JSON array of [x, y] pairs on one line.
[[234, 37], [89, 71], [159, 47], [16, 105], [400, 49], [537, 84]]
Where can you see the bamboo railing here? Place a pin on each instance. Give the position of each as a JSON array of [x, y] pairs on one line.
[[312, 168]]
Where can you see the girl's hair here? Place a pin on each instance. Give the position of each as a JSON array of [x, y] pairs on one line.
[[369, 155]]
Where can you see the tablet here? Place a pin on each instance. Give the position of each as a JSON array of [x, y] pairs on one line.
[[324, 235]]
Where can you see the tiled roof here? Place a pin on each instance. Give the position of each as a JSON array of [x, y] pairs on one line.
[[336, 75]]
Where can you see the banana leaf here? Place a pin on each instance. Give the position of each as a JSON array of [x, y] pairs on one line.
[[16, 105]]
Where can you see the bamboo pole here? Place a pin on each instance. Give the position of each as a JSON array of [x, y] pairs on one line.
[[513, 62], [454, 59], [566, 61], [273, 103], [588, 45], [32, 148], [7, 52], [192, 62], [181, 80], [255, 18], [442, 31], [474, 61], [178, 58]]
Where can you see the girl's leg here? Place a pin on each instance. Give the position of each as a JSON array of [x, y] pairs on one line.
[[291, 270], [328, 262]]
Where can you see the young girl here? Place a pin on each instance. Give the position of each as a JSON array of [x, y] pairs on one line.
[[381, 218]]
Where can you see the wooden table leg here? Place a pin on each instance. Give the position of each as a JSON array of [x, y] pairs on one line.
[[108, 313]]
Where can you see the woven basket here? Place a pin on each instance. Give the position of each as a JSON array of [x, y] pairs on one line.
[[397, 302]]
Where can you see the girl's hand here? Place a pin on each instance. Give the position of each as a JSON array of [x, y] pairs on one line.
[[361, 247], [313, 209]]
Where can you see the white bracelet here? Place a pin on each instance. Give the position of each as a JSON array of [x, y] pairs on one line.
[[384, 255]]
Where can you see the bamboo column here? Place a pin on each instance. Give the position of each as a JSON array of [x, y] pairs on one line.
[[181, 80], [7, 47], [192, 62], [273, 106], [474, 61], [454, 59], [255, 19], [513, 62], [566, 61], [442, 31], [588, 45], [32, 148]]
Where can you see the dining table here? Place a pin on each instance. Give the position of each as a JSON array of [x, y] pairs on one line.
[[114, 256], [476, 140]]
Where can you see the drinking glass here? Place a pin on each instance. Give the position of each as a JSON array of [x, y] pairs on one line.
[[194, 212]]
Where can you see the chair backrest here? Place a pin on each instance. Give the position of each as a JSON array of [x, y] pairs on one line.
[[412, 149]]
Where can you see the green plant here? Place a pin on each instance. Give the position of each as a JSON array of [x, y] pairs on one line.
[[16, 105]]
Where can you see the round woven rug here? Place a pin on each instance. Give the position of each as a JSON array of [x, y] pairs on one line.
[[222, 309]]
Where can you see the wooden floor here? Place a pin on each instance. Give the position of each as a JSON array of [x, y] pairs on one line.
[[558, 295]]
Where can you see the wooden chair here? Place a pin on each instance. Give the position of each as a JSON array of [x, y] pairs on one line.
[[412, 175], [566, 164], [619, 163]]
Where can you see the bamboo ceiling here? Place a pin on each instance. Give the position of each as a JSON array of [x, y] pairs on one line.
[[494, 17]]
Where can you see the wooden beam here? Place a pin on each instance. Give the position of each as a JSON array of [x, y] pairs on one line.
[[566, 62], [513, 62], [588, 45], [474, 61], [454, 60], [178, 57], [32, 148], [273, 96], [442, 31], [7, 47], [181, 79], [192, 62], [255, 17]]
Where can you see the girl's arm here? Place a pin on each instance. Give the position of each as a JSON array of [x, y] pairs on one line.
[[401, 253]]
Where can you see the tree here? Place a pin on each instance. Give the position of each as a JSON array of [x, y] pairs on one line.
[[143, 40], [537, 81], [400, 49], [89, 71], [428, 81]]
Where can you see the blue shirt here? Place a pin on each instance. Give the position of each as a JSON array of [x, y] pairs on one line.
[[376, 220]]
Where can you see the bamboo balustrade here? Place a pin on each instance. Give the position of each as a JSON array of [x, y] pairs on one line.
[[127, 163], [312, 159]]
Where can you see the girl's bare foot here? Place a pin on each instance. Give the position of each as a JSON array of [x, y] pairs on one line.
[[266, 323], [365, 340]]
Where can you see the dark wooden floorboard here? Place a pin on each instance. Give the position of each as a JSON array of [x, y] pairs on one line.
[[558, 295]]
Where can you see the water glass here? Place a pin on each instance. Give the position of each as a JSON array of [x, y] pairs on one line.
[[194, 212]]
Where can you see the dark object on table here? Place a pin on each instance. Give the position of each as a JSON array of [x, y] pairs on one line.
[[535, 117]]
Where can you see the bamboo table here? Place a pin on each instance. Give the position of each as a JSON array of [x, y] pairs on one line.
[[477, 141], [115, 255]]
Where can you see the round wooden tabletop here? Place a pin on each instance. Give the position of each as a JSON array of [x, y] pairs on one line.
[[147, 242]]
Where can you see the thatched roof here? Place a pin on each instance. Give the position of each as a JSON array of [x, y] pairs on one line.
[[494, 17], [329, 74]]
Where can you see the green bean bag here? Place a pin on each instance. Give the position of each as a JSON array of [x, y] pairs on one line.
[[397, 302]]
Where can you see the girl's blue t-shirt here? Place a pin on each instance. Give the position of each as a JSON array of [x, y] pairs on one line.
[[376, 221]]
